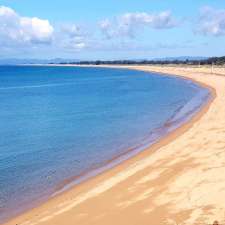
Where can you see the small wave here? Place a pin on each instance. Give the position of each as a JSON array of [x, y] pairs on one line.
[[36, 86]]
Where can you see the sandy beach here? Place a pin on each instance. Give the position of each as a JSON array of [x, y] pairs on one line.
[[179, 180]]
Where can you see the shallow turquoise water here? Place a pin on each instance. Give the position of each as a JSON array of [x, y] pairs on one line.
[[58, 123]]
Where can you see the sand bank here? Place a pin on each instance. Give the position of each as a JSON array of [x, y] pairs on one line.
[[180, 180]]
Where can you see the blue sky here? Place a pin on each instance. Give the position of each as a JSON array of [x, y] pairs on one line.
[[112, 29]]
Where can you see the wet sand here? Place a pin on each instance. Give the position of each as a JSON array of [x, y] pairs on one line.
[[179, 180]]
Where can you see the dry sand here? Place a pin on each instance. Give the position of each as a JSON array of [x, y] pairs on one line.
[[180, 180]]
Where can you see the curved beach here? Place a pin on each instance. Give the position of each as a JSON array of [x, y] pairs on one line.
[[179, 180]]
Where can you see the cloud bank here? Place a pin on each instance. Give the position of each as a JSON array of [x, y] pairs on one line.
[[21, 34], [26, 33]]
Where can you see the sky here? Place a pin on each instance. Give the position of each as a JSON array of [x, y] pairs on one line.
[[112, 29]]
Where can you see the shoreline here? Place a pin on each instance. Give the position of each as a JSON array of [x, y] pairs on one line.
[[162, 131], [62, 199]]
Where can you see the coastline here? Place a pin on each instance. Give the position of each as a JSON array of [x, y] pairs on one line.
[[58, 208]]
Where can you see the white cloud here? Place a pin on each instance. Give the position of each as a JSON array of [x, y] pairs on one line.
[[21, 34], [107, 28], [72, 37], [72, 30], [128, 24], [15, 29], [211, 21]]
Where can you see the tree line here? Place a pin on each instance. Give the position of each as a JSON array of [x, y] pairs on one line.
[[208, 61]]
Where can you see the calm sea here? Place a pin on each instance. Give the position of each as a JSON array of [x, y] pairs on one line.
[[63, 124]]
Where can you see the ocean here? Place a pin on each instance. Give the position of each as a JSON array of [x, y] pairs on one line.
[[62, 125]]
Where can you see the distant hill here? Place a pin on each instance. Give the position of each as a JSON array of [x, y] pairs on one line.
[[14, 61], [167, 60]]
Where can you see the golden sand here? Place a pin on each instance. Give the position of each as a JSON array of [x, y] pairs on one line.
[[180, 180]]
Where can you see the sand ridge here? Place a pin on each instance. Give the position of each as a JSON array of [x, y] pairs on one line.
[[180, 180]]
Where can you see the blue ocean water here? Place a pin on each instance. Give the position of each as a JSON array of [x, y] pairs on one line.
[[60, 123]]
